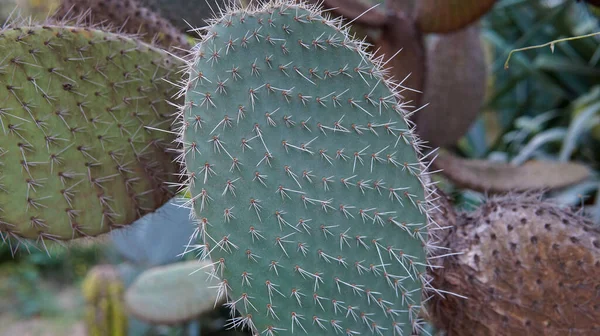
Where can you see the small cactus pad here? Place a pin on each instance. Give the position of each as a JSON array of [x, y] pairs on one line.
[[172, 294], [79, 151], [526, 266], [306, 179], [498, 177]]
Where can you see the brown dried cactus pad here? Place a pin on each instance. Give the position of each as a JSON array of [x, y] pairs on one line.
[[444, 16], [527, 268], [497, 177], [454, 87]]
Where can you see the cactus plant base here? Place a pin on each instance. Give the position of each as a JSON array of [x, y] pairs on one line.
[[527, 266], [306, 180]]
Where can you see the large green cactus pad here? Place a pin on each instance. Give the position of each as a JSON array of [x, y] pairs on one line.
[[305, 177], [79, 150]]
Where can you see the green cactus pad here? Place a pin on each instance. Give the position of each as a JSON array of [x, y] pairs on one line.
[[79, 151], [306, 178], [172, 294]]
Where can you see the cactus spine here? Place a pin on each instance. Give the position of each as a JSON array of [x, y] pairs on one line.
[[79, 113], [103, 292], [305, 175]]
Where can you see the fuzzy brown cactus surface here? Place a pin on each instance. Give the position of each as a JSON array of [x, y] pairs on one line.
[[527, 267]]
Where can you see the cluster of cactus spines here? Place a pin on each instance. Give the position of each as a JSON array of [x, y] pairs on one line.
[[445, 16], [307, 183], [527, 266], [103, 291], [84, 123], [129, 16], [172, 294], [455, 86]]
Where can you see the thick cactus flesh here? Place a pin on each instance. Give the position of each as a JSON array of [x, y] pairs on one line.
[[80, 149], [306, 178]]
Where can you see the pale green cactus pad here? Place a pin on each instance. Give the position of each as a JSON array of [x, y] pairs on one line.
[[80, 148], [306, 179], [172, 294]]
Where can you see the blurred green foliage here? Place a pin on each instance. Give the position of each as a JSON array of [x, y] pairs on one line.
[[29, 282], [529, 111]]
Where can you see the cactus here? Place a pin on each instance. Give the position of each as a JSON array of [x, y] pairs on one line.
[[454, 87], [172, 294], [497, 177], [527, 266], [445, 16], [130, 16], [103, 293], [306, 178], [80, 152]]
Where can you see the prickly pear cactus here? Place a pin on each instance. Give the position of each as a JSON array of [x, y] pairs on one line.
[[455, 86], [526, 266], [305, 176], [103, 291], [172, 294], [80, 152], [444, 16]]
